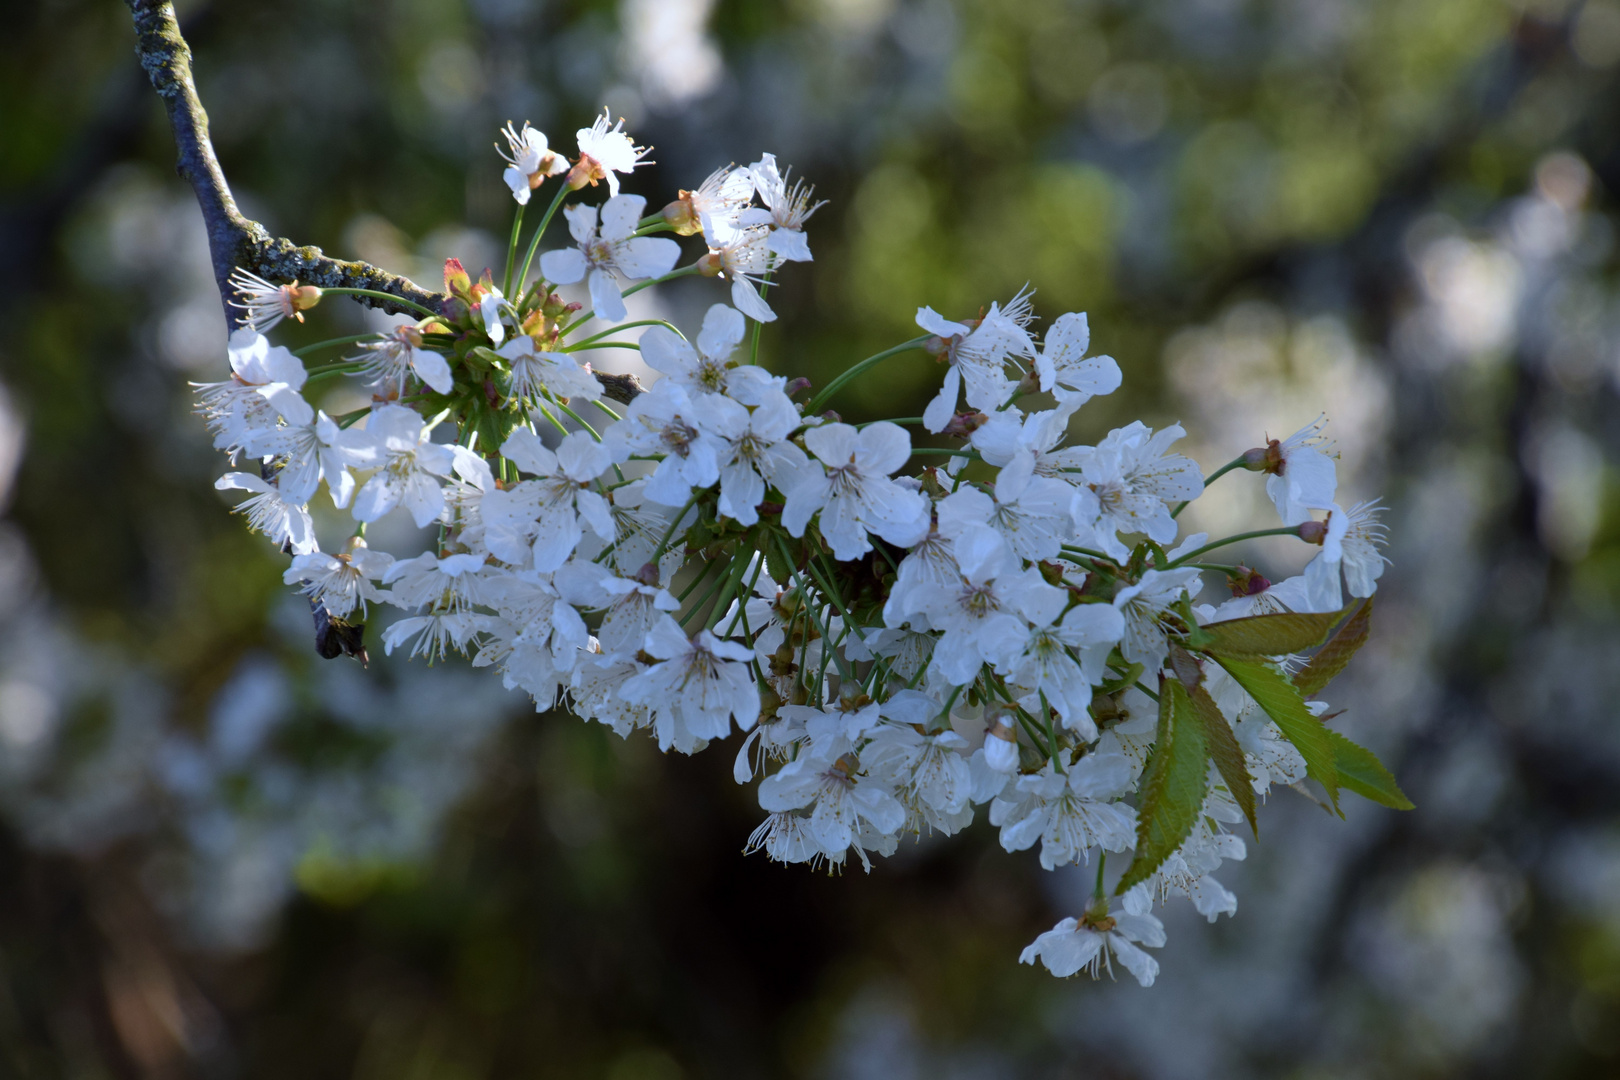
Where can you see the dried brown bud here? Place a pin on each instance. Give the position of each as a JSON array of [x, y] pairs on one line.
[[964, 424], [1244, 581]]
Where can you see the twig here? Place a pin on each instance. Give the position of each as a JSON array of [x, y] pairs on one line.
[[235, 240]]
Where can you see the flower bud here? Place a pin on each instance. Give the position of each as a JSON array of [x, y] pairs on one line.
[[964, 424], [1266, 459], [682, 215], [1001, 746], [586, 171], [303, 297], [1244, 581], [1313, 532], [796, 387]]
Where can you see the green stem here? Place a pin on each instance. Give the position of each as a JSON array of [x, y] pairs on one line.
[[855, 371], [695, 583], [826, 633], [511, 250], [375, 295], [1084, 551], [753, 349], [607, 409], [697, 605], [578, 419], [534, 244], [603, 345], [586, 316], [739, 567], [1235, 463], [349, 418], [628, 326], [329, 370], [328, 343], [1051, 736], [669, 532], [1287, 530], [971, 455], [759, 565]]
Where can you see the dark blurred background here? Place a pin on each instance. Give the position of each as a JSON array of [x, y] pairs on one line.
[[223, 857]]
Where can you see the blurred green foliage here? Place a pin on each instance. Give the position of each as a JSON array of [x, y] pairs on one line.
[[586, 912]]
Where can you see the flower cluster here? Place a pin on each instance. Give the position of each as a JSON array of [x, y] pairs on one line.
[[898, 634]]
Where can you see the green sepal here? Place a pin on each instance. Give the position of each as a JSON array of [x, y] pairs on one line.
[[1125, 681], [1360, 771], [1173, 785], [1283, 702]]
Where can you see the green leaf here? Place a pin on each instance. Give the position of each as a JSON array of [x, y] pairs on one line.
[[1267, 635], [777, 564], [1227, 754], [1173, 785], [1283, 702], [1332, 657], [1361, 771]]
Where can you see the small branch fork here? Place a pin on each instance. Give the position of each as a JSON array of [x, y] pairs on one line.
[[237, 241]]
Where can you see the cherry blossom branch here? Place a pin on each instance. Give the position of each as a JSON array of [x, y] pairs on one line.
[[234, 240]]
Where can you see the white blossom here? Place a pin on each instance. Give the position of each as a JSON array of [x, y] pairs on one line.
[[993, 600], [666, 420], [852, 490], [390, 363], [1064, 368], [696, 688], [1303, 476], [543, 517], [606, 254], [535, 371], [787, 208], [1143, 605], [1351, 543], [1072, 946], [410, 467], [1128, 479], [529, 160], [341, 582], [742, 257], [977, 354], [703, 369], [1031, 512], [269, 511], [753, 452], [604, 152], [1069, 812]]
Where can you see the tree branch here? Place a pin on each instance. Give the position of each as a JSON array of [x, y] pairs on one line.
[[237, 241]]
